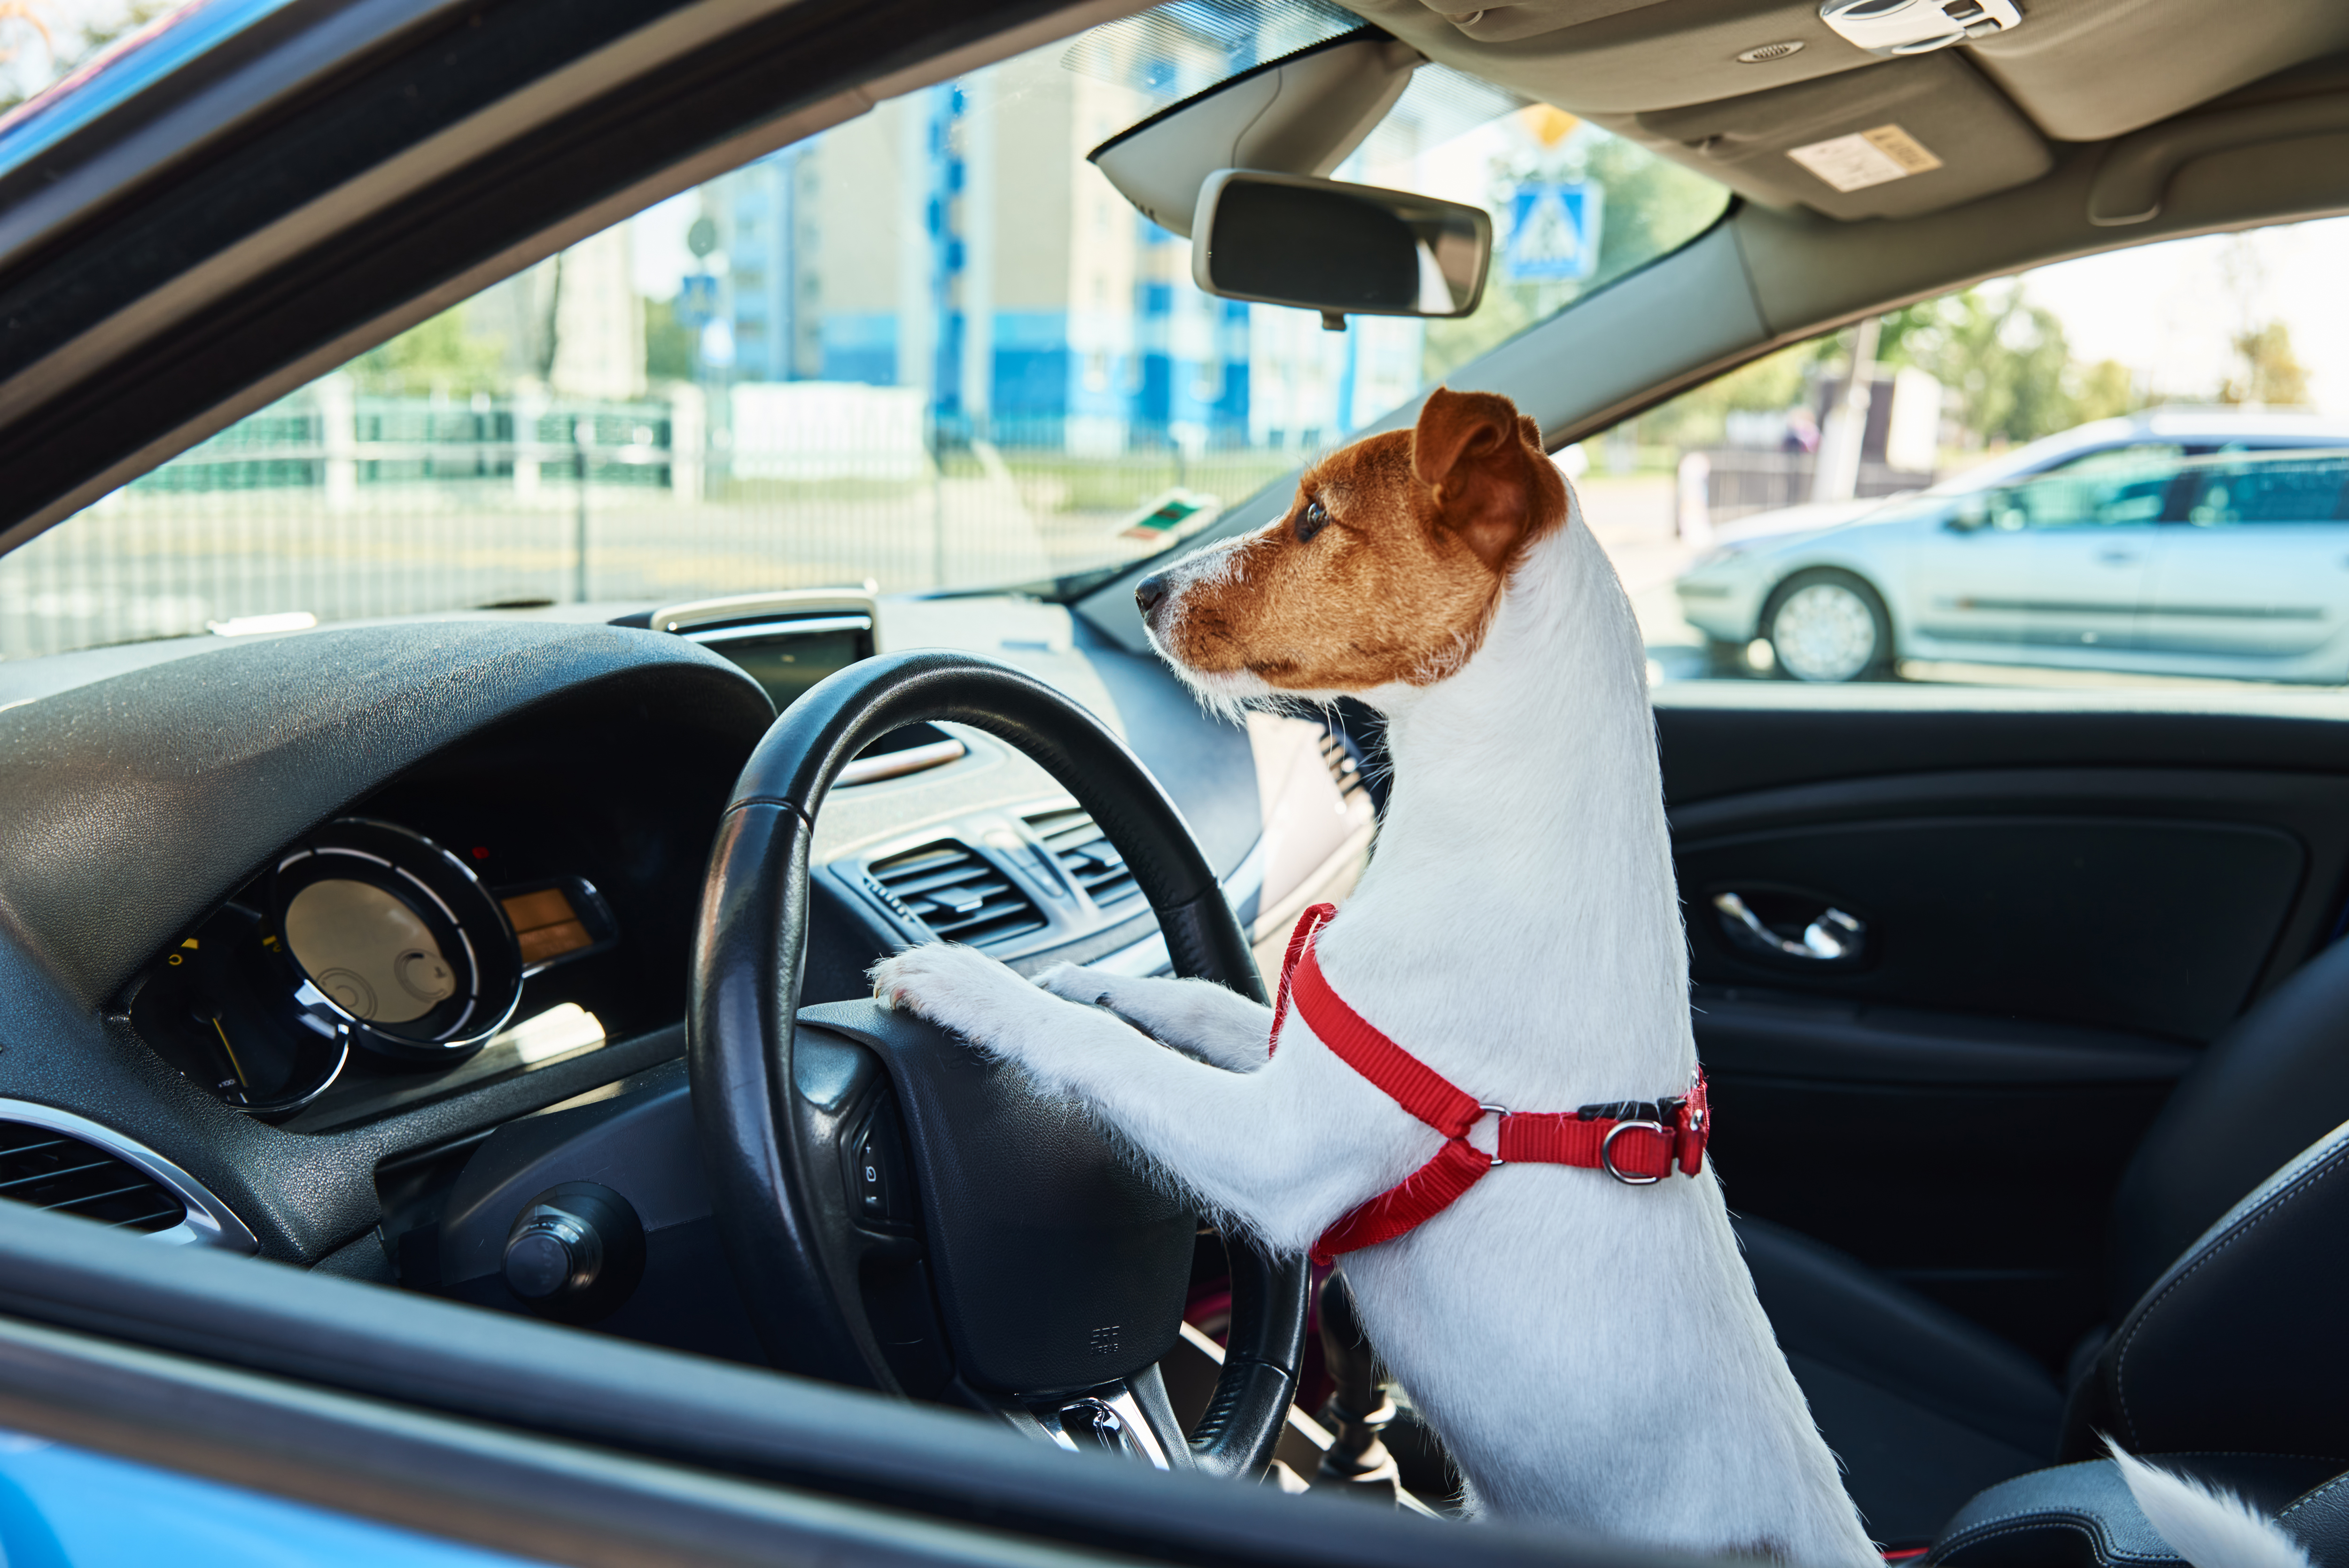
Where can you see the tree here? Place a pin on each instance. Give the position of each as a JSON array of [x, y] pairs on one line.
[[1700, 417], [437, 355], [2106, 388], [1648, 206], [2004, 360], [2272, 375], [22, 26], [26, 31], [668, 342]]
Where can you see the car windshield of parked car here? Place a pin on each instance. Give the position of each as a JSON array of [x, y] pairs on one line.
[[2122, 470], [929, 348]]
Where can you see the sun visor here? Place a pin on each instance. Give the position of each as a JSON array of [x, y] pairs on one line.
[[1889, 142], [2088, 70], [1302, 114]]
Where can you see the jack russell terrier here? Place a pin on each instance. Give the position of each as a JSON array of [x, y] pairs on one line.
[[1556, 1282]]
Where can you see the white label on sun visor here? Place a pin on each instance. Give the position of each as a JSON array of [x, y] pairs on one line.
[[1866, 158]]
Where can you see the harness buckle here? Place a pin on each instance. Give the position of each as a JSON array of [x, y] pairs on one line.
[[1607, 1153], [1503, 1111]]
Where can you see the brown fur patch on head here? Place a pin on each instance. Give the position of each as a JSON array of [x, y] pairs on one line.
[[1389, 565]]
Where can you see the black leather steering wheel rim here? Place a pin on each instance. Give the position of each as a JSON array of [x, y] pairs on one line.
[[750, 948]]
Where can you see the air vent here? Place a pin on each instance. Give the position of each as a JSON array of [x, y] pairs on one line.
[[959, 897], [1343, 771], [1085, 852], [66, 1176]]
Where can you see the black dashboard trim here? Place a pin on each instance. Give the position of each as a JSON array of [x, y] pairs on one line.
[[133, 805], [129, 807]]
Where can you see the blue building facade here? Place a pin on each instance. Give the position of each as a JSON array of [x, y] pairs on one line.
[[1104, 343]]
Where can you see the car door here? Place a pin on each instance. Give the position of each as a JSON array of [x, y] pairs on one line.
[[1972, 587], [2056, 562], [2058, 902], [2255, 569], [175, 1405]]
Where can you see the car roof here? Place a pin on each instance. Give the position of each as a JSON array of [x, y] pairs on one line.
[[2188, 425]]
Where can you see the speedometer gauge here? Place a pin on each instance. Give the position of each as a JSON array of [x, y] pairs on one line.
[[393, 942]]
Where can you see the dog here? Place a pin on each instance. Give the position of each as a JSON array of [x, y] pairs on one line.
[[1590, 1352]]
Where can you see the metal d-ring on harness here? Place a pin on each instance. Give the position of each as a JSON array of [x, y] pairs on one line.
[[1654, 1138]]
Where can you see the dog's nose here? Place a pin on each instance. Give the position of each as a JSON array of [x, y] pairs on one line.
[[1150, 592]]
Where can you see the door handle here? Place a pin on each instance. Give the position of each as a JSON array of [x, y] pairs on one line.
[[2117, 557], [1834, 937]]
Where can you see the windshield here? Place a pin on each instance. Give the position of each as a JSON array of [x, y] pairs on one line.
[[931, 348]]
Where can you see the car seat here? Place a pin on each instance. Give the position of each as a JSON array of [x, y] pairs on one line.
[[2221, 1332]]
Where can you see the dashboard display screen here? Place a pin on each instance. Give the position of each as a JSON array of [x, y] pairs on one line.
[[367, 951], [788, 663], [546, 925]]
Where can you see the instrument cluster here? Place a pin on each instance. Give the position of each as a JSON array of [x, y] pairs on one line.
[[364, 937]]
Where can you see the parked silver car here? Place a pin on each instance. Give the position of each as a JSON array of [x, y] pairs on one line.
[[2195, 542]]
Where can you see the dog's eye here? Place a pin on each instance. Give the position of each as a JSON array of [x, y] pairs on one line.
[[1312, 521]]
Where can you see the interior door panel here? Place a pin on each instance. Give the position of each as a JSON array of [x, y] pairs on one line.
[[2060, 909], [2155, 925]]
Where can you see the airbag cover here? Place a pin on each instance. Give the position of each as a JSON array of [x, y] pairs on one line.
[[1059, 1264]]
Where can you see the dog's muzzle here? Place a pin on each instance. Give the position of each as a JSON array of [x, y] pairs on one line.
[[1150, 593]]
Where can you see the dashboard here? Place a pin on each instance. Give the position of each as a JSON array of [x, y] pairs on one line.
[[347, 948]]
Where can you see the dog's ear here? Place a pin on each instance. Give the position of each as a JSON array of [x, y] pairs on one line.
[[1495, 488]]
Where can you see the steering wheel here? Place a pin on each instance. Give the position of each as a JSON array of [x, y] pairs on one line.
[[903, 1214]]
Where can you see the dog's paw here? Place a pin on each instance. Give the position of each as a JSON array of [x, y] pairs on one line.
[[959, 987], [1075, 983]]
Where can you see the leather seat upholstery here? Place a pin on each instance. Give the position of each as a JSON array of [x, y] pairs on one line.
[[1924, 1408], [2222, 1341], [2236, 1344], [2266, 1090], [2082, 1515]]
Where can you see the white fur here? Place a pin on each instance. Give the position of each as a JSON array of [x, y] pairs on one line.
[[2208, 1526], [1592, 1354]]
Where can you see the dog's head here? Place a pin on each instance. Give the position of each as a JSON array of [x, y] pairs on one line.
[[1387, 568]]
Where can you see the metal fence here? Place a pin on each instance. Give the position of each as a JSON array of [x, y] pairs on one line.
[[1744, 481], [344, 506]]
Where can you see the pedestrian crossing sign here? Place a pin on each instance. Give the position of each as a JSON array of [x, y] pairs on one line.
[[1553, 231]]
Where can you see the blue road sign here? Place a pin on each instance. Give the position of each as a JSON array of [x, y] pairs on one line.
[[1553, 231], [697, 300]]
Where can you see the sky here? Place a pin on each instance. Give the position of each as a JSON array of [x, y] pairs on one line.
[[2170, 309], [656, 244]]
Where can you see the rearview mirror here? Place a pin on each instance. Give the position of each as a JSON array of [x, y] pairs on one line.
[[1342, 249], [1969, 515]]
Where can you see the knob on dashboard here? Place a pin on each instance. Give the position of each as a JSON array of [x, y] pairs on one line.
[[576, 1251]]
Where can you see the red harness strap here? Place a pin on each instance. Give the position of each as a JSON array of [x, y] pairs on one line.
[[1636, 1143]]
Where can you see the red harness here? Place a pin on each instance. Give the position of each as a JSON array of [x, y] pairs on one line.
[[1637, 1142]]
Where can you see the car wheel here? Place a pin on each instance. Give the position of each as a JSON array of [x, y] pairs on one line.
[[1828, 626]]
